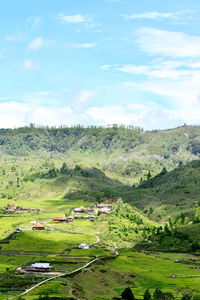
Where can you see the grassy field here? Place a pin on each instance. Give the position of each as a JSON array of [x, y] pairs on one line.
[[107, 279], [100, 163], [45, 241]]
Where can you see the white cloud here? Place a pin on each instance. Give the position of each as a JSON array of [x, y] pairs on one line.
[[34, 22], [83, 45], [177, 81], [36, 44], [153, 15], [29, 64], [106, 67], [74, 19], [168, 69], [85, 96], [168, 43], [18, 37], [148, 115]]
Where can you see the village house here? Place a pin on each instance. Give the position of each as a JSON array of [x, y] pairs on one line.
[[90, 209], [81, 209], [78, 217], [70, 219], [105, 210], [83, 246], [39, 227], [23, 208], [18, 230], [102, 205], [12, 208], [39, 267], [60, 220], [90, 217]]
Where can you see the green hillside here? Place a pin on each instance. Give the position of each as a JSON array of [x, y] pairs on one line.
[[150, 179], [129, 153], [170, 194]]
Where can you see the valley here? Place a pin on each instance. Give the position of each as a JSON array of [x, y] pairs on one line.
[[150, 181]]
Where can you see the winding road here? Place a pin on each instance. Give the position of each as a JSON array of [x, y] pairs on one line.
[[65, 274]]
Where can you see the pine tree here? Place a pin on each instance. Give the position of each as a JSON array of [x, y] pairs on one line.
[[147, 295], [157, 295], [186, 297], [127, 294], [149, 175]]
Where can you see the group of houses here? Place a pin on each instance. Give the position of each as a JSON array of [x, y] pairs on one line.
[[11, 208], [100, 208], [95, 209], [72, 218]]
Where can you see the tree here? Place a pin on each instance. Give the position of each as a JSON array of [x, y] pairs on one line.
[[149, 175], [127, 294], [147, 295], [186, 297], [180, 165], [164, 171], [63, 169], [158, 295]]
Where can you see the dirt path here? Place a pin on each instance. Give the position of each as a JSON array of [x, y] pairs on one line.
[[65, 274], [54, 277]]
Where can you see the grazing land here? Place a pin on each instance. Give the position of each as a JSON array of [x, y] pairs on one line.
[[148, 238]]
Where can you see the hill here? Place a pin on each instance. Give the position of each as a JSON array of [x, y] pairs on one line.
[[170, 194], [149, 179], [128, 153]]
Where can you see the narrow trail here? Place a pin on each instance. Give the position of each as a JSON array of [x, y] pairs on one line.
[[63, 275], [97, 240], [54, 277]]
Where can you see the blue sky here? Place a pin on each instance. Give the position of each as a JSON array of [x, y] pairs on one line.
[[100, 62]]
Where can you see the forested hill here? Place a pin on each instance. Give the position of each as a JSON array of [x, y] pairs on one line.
[[163, 144]]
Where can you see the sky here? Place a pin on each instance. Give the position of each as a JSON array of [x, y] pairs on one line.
[[100, 62]]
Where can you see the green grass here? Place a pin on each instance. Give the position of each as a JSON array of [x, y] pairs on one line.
[[37, 241]]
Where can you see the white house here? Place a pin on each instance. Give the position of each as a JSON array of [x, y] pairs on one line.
[[83, 246]]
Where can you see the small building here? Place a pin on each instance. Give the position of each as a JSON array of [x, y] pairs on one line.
[[78, 217], [11, 207], [90, 217], [105, 210], [90, 209], [70, 219], [81, 209], [102, 205], [39, 227], [59, 219], [39, 267], [24, 208], [83, 246], [18, 230]]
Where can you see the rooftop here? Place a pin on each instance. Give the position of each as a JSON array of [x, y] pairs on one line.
[[40, 265]]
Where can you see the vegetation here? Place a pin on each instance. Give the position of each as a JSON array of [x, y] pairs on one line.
[[151, 180]]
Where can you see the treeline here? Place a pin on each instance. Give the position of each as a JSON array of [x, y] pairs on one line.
[[168, 239], [127, 294], [158, 294], [23, 140]]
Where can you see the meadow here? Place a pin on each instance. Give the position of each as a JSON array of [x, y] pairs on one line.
[[150, 178]]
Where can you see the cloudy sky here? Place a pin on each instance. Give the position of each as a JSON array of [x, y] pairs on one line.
[[100, 62]]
